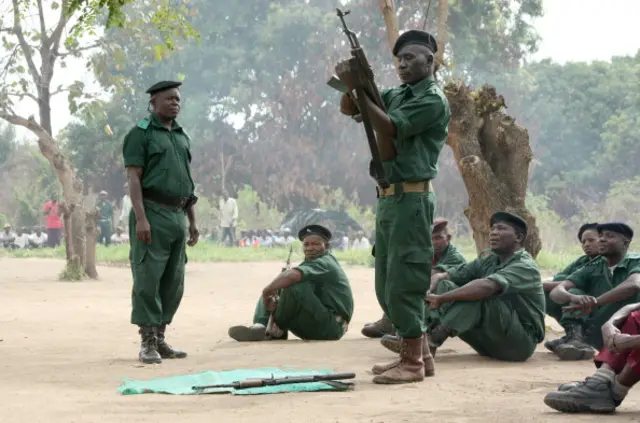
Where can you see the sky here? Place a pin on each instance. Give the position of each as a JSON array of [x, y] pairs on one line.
[[571, 30]]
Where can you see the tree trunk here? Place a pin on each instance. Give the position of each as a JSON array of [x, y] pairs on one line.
[[493, 155], [492, 152], [442, 33], [391, 22]]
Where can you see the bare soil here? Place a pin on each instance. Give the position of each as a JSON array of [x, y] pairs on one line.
[[66, 347]]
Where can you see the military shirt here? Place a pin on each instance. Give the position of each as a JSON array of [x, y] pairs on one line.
[[330, 284], [164, 155], [421, 115], [106, 210], [595, 278], [519, 278], [572, 268], [449, 259]]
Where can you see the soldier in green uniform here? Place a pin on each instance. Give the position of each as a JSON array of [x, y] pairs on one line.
[[446, 257], [597, 291], [105, 219], [410, 134], [589, 238], [494, 303], [157, 158], [314, 300]]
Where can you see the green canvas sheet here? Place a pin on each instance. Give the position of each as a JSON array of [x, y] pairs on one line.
[[181, 385]]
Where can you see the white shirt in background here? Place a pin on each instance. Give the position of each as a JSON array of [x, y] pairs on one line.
[[228, 213], [38, 241]]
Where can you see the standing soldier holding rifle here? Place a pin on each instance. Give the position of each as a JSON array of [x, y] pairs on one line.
[[411, 126]]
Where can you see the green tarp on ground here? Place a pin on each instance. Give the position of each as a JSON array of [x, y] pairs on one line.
[[182, 385]]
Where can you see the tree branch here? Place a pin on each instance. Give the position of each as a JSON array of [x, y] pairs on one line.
[[78, 50], [43, 27], [17, 29], [51, 46], [45, 141], [58, 91], [21, 95]]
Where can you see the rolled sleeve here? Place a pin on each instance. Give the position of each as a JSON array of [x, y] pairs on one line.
[[466, 273], [418, 115], [582, 278], [516, 277], [133, 149], [313, 268]]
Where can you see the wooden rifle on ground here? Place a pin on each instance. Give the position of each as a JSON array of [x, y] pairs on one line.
[[286, 267], [272, 381], [366, 87]]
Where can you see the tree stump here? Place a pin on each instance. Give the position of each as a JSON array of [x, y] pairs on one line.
[[493, 155]]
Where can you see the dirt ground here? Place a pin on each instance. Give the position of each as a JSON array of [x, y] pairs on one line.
[[66, 347]]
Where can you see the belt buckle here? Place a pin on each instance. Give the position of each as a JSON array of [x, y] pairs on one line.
[[182, 202]]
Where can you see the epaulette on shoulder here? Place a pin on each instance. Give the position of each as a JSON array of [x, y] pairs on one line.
[[144, 123]]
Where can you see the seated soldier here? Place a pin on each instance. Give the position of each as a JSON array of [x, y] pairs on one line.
[[494, 303], [597, 291], [589, 238], [445, 256], [313, 300], [618, 369]]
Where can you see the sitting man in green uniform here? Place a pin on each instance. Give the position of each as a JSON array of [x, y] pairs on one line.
[[494, 303], [157, 158], [445, 256], [589, 238], [313, 300], [597, 291]]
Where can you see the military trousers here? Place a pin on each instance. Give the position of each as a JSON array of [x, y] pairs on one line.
[[105, 232], [490, 326], [302, 313], [591, 323], [403, 258], [158, 268]]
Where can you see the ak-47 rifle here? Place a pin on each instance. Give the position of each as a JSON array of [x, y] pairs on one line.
[[272, 381], [366, 87], [286, 267]]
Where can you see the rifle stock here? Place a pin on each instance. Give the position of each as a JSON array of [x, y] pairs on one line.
[[272, 381]]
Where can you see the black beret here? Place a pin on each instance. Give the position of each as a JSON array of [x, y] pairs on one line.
[[415, 37], [586, 227], [510, 219], [314, 230], [162, 86], [617, 227]]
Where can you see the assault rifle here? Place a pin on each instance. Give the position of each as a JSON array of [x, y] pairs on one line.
[[366, 87], [272, 381], [286, 267]]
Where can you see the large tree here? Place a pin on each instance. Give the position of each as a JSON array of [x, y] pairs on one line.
[[35, 53]]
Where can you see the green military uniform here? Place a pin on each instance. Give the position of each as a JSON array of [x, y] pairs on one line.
[[318, 307], [420, 114], [555, 310], [450, 258], [507, 326], [106, 216], [595, 279], [158, 268]]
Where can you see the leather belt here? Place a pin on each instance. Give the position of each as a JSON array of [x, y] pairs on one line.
[[165, 200], [422, 186]]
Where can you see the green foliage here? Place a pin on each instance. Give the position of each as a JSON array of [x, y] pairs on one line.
[[7, 143], [253, 213], [32, 194], [72, 273]]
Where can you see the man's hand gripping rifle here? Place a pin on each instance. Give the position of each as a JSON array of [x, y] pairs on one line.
[[274, 299]]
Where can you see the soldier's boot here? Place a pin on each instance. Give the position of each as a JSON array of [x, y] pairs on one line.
[[409, 368], [391, 342], [427, 358], [555, 343], [256, 332], [594, 395], [437, 336], [148, 346], [575, 348], [378, 329], [165, 349]]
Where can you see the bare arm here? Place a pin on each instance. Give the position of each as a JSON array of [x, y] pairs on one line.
[[620, 316], [385, 129], [560, 295], [134, 174], [549, 285], [191, 215], [625, 290], [283, 280]]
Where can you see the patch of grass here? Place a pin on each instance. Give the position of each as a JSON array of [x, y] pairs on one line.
[[207, 252]]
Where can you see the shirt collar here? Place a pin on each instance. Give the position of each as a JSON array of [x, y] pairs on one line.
[[156, 122], [420, 86]]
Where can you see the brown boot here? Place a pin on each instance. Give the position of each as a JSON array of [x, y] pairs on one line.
[[165, 349], [378, 329], [410, 367], [427, 358], [148, 346]]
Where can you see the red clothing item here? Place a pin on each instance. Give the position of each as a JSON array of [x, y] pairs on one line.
[[617, 362], [53, 220]]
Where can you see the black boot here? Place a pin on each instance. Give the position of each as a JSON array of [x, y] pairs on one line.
[[437, 336], [575, 348], [165, 349], [148, 347], [378, 329], [555, 343]]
